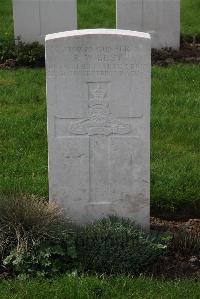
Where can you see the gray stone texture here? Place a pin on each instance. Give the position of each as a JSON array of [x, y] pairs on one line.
[[33, 19], [98, 96], [160, 18]]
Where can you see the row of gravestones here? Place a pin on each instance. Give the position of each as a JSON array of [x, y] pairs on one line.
[[33, 19]]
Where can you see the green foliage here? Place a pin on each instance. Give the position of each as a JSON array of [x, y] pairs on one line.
[[7, 50], [46, 260], [117, 246], [30, 55], [35, 237]]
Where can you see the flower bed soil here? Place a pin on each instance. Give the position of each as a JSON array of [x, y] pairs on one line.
[[178, 263], [188, 53], [190, 226]]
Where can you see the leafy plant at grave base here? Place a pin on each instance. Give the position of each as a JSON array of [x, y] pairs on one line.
[[116, 246], [35, 237], [7, 50], [46, 260], [30, 55]]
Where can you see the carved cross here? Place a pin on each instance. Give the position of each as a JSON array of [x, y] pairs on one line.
[[100, 126]]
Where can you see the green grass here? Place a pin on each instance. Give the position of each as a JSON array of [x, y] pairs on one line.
[[175, 180], [6, 20], [96, 14], [101, 14], [23, 144], [175, 159], [101, 288], [190, 22]]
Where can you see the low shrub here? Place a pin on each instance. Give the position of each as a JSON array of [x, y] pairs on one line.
[[45, 260], [37, 240], [7, 50], [31, 55], [116, 246], [28, 55], [35, 237]]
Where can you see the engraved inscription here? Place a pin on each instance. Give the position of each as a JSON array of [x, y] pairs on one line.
[[100, 61], [100, 120]]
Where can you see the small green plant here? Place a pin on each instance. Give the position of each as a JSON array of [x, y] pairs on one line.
[[30, 55], [116, 246], [35, 237], [46, 260], [7, 50]]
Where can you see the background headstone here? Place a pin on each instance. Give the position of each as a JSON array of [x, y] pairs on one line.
[[98, 95], [33, 19], [160, 18]]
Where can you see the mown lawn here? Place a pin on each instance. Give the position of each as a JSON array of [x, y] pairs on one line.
[[23, 145], [6, 20], [101, 288], [101, 14], [175, 158], [190, 20]]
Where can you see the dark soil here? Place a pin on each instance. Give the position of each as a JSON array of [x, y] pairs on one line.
[[188, 53], [190, 226], [183, 257], [179, 214]]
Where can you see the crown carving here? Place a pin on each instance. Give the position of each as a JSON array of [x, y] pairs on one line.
[[99, 93]]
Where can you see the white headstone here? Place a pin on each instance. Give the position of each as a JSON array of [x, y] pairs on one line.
[[98, 91], [160, 18], [33, 19]]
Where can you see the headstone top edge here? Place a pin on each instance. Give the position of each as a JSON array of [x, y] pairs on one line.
[[85, 32]]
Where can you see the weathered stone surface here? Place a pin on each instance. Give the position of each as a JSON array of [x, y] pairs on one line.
[[33, 19], [160, 18], [98, 91]]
